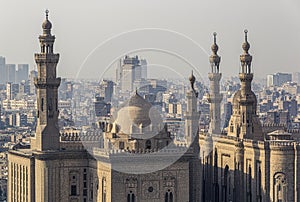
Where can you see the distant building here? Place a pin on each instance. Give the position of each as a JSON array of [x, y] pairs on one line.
[[144, 69], [65, 90], [32, 75], [12, 90], [3, 78], [296, 77], [11, 73], [101, 107], [289, 105], [22, 73], [278, 79], [131, 69], [106, 90]]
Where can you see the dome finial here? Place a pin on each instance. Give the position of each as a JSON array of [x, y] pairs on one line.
[[246, 45], [246, 58], [215, 47], [192, 81], [214, 58], [47, 13], [246, 35], [215, 37], [47, 24]]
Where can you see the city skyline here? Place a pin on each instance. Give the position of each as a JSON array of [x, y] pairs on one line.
[[162, 141], [273, 30]]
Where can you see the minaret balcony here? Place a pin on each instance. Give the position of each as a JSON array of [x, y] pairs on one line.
[[214, 76], [214, 98], [49, 82], [46, 58], [246, 77]]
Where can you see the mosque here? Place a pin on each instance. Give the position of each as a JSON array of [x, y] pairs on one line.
[[138, 161]]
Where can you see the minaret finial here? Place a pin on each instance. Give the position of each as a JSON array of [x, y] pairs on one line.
[[214, 58], [246, 35], [192, 81], [215, 37], [246, 45], [215, 47], [246, 58], [47, 13]]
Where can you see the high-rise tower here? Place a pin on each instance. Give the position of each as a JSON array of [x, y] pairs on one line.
[[244, 122], [47, 132], [215, 97]]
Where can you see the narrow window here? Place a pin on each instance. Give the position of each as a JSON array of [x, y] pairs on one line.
[[42, 104], [73, 190], [148, 144]]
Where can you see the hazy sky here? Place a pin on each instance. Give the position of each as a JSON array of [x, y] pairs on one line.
[[80, 26]]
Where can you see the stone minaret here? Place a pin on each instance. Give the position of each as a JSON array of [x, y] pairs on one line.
[[215, 97], [47, 132], [191, 115], [244, 122]]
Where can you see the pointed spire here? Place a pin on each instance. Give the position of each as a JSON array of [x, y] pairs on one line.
[[215, 59]]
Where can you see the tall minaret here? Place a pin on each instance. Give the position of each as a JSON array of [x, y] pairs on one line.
[[191, 115], [244, 122], [215, 97], [47, 132]]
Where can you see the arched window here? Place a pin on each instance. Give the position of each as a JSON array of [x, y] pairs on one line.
[[130, 197], [249, 184], [148, 144], [258, 182], [216, 185], [169, 196], [280, 187], [226, 182]]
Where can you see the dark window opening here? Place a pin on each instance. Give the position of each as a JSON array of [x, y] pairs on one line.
[[85, 192], [130, 197], [148, 144], [73, 190]]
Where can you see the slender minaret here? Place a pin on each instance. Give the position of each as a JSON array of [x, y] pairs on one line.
[[244, 123], [47, 132], [191, 115], [215, 97]]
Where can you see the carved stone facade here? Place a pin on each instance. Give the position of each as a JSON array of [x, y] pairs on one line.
[[246, 164]]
